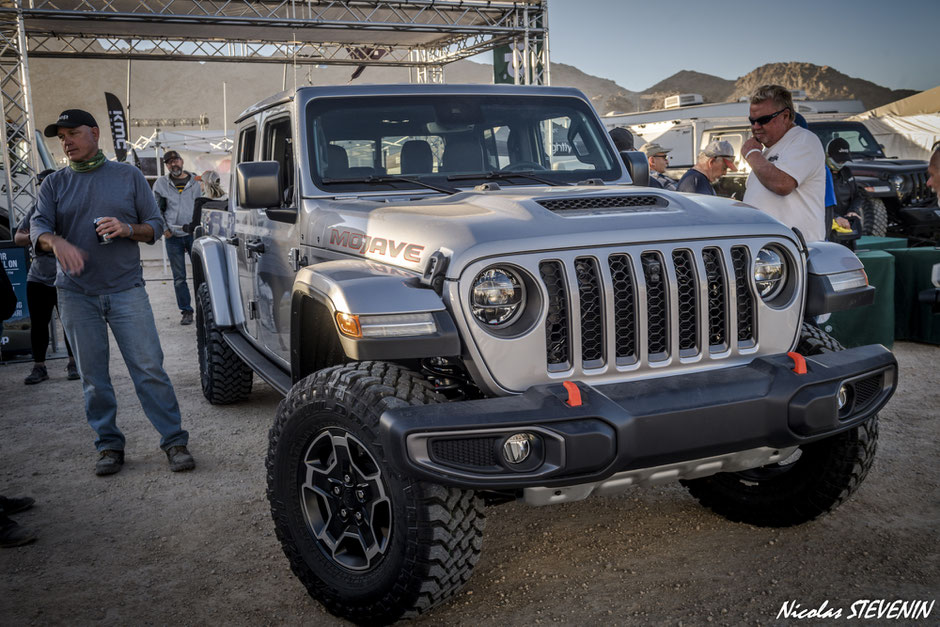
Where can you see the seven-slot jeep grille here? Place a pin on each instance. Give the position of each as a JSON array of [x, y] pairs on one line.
[[675, 303]]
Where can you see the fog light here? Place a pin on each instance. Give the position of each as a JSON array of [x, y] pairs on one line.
[[518, 447], [843, 399]]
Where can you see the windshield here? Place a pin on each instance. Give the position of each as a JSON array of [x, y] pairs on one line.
[[380, 143], [861, 142]]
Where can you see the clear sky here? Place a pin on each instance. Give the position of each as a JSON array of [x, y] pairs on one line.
[[894, 43]]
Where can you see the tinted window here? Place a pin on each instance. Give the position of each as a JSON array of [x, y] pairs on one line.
[[435, 137], [279, 147], [861, 142], [246, 145]]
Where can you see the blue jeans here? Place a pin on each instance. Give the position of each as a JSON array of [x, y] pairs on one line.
[[178, 248], [86, 320]]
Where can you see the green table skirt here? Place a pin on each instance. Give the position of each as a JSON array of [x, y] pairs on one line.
[[875, 323], [913, 320], [870, 242]]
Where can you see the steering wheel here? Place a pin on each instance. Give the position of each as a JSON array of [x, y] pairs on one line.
[[523, 165]]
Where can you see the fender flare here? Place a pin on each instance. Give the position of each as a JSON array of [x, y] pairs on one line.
[[363, 287], [215, 264]]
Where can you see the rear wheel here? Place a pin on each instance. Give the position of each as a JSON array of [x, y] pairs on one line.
[[874, 215], [225, 377], [370, 544], [815, 479]]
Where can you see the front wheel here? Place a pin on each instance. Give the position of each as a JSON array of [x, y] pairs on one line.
[[370, 544], [815, 479]]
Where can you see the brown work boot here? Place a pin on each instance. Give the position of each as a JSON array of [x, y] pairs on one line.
[[11, 534], [180, 459], [38, 374], [109, 462]]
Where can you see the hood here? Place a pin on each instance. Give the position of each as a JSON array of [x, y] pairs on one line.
[[876, 167], [405, 230]]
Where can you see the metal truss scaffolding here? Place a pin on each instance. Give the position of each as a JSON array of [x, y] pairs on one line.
[[424, 35]]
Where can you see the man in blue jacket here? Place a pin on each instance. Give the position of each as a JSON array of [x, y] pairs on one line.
[[176, 194], [92, 216]]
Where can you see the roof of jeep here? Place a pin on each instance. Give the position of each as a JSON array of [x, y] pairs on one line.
[[305, 94]]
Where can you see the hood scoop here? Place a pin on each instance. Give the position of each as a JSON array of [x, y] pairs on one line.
[[598, 205]]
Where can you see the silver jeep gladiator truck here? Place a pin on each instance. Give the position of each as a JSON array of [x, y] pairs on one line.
[[468, 297]]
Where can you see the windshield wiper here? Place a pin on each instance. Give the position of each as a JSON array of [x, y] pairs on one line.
[[503, 175], [387, 178]]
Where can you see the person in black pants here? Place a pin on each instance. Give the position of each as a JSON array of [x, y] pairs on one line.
[[41, 297], [11, 534]]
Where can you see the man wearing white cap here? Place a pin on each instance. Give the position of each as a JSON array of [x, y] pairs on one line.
[[657, 159], [788, 178], [713, 162]]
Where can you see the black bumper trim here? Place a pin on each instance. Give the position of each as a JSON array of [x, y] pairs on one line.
[[641, 424]]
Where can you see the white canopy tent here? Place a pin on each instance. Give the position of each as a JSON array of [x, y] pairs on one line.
[[200, 150], [908, 128]]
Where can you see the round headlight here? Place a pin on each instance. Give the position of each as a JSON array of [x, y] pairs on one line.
[[497, 297], [770, 273], [897, 181]]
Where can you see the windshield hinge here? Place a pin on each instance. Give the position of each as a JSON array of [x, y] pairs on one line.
[[435, 271], [487, 187]]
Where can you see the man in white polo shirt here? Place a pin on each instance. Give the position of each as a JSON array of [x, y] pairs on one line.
[[787, 178]]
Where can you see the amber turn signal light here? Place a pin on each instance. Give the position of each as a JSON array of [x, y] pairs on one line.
[[348, 324]]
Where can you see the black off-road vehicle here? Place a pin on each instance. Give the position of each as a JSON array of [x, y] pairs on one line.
[[890, 195]]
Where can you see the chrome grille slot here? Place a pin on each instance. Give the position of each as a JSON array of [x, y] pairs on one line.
[[741, 262], [686, 303], [621, 277], [557, 340], [657, 309], [592, 320], [715, 287]]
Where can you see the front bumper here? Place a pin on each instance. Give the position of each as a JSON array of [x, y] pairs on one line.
[[635, 425]]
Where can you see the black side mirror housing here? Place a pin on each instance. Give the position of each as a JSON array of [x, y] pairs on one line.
[[637, 166], [258, 184]]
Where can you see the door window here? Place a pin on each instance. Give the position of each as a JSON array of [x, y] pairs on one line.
[[279, 147]]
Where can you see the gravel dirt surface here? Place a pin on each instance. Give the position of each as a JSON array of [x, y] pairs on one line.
[[147, 546]]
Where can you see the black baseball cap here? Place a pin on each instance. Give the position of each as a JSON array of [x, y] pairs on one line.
[[838, 150], [170, 155], [70, 118], [623, 139]]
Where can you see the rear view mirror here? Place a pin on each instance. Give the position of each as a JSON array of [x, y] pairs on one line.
[[637, 165]]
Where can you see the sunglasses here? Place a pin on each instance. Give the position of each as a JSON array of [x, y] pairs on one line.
[[764, 119]]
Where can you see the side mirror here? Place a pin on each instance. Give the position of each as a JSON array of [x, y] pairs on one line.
[[637, 166], [258, 184]]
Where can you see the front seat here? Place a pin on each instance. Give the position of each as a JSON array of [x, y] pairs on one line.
[[337, 162], [416, 157], [462, 153]]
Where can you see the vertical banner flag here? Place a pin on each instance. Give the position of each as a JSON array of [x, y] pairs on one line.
[[118, 126]]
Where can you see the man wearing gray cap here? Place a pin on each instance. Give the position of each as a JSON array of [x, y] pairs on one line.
[[92, 215], [657, 159], [788, 173], [713, 162]]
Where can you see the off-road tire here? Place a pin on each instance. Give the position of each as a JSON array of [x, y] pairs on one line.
[[823, 476], [874, 215], [434, 534], [225, 377]]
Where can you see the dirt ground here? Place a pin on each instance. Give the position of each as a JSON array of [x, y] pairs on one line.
[[147, 546]]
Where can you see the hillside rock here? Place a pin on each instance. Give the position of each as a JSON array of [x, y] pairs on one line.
[[819, 82]]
